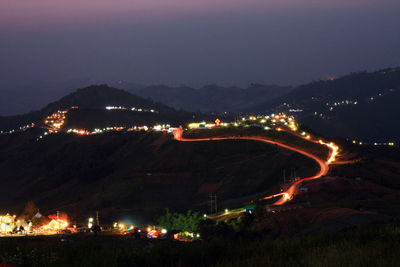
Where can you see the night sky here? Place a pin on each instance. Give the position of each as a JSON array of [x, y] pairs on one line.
[[228, 42]]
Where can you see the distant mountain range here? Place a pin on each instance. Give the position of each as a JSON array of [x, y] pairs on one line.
[[213, 98], [362, 106]]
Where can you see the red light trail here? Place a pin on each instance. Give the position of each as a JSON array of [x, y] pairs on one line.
[[289, 193]]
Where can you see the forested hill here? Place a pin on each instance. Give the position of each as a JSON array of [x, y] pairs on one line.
[[92, 97], [360, 105]]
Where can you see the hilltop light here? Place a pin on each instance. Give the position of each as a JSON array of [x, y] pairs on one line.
[[226, 210], [205, 215]]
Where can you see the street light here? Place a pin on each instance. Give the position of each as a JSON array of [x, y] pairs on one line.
[[90, 223]]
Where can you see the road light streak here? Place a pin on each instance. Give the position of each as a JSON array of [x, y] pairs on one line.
[[290, 192]]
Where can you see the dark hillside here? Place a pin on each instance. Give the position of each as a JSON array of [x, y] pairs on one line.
[[362, 106], [135, 173]]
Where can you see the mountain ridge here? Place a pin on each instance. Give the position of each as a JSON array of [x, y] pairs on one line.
[[94, 97]]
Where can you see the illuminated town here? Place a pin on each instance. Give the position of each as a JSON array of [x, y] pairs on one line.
[[199, 133], [11, 226]]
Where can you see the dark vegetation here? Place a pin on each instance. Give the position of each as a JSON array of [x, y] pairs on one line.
[[376, 245], [378, 164], [180, 222]]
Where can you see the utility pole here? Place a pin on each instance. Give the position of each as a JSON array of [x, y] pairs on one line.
[[97, 218], [213, 203]]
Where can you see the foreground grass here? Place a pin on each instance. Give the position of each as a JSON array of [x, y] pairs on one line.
[[372, 246]]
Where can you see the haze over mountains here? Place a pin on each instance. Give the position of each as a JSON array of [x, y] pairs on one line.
[[214, 98], [361, 106]]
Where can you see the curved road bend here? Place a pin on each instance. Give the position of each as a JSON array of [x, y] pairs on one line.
[[288, 194]]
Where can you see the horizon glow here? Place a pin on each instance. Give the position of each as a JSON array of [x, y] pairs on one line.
[[18, 13]]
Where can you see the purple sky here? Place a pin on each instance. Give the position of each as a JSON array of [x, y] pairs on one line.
[[42, 13], [229, 42]]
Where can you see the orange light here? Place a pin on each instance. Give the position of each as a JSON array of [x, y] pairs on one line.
[[56, 224]]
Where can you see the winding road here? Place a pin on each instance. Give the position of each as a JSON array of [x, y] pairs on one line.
[[290, 192]]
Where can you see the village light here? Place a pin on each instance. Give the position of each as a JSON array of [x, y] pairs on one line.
[[90, 223], [205, 215], [164, 231], [226, 210]]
